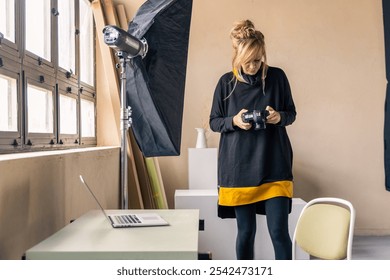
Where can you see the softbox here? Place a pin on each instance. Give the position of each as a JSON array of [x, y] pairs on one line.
[[155, 84]]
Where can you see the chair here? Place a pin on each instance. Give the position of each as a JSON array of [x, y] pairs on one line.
[[325, 229]]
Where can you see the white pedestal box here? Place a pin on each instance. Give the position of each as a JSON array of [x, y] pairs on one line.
[[202, 168], [219, 235]]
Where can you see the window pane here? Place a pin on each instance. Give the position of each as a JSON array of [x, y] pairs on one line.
[[68, 115], [38, 28], [66, 35], [7, 19], [86, 44], [87, 118], [8, 104], [40, 110]]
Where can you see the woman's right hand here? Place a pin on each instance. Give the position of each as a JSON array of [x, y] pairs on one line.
[[237, 120]]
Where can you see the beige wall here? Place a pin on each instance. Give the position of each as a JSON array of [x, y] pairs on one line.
[[333, 54], [41, 192]]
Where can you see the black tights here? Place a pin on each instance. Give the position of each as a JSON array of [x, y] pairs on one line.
[[277, 210]]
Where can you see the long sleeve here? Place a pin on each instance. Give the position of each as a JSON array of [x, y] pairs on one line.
[[288, 113], [219, 120]]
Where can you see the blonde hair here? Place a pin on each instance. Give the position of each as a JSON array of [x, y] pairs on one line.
[[248, 43]]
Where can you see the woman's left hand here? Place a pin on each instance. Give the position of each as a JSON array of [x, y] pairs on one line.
[[274, 116]]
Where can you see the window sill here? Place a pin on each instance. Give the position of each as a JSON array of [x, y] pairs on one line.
[[16, 156]]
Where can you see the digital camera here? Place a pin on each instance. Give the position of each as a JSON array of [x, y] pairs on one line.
[[257, 117]]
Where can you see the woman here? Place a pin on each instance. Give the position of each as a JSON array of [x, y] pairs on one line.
[[255, 161]]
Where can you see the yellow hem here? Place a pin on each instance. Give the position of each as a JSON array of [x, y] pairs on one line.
[[252, 194]]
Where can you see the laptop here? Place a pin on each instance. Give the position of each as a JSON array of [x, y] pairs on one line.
[[128, 219]]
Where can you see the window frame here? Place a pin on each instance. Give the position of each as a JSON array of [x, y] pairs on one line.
[[8, 46], [81, 82], [31, 58], [63, 73], [37, 139], [87, 93], [68, 90], [10, 140], [74, 35]]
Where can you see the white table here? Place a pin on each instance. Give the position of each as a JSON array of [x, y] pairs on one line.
[[92, 237]]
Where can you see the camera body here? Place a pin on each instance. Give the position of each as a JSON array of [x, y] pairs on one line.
[[258, 117]]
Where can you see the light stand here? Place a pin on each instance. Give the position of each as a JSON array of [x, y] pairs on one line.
[[125, 123], [126, 47]]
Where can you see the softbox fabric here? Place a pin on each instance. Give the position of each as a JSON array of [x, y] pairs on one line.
[[155, 84]]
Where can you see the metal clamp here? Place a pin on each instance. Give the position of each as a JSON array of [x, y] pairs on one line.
[[126, 118]]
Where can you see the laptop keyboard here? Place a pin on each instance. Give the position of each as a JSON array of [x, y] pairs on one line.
[[128, 219]]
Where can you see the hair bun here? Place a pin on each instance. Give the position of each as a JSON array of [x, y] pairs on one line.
[[244, 29]]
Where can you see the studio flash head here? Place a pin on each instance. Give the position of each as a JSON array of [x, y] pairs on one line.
[[122, 41]]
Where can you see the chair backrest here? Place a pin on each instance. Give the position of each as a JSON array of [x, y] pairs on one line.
[[325, 229]]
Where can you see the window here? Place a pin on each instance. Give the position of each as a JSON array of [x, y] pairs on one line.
[[86, 44], [7, 19], [8, 97], [67, 35], [47, 75], [40, 109], [88, 118], [38, 28], [87, 75], [68, 115]]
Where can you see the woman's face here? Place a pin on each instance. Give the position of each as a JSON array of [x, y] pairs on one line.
[[252, 65], [250, 58]]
